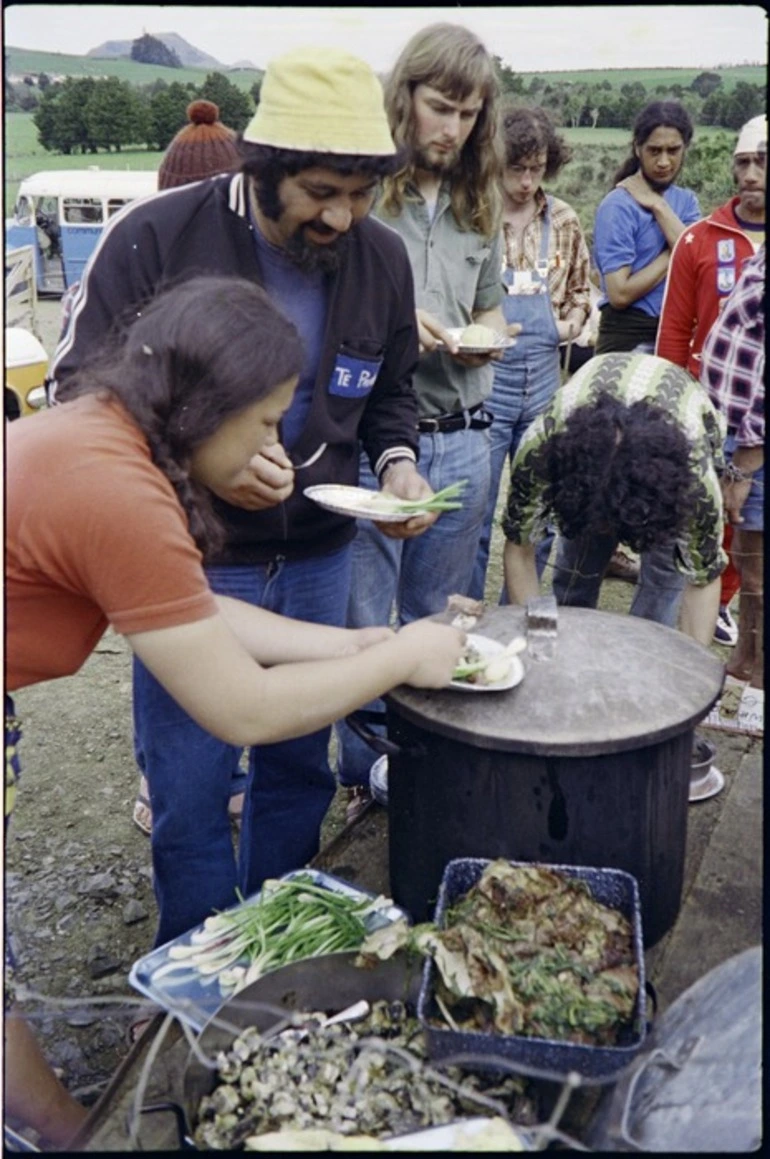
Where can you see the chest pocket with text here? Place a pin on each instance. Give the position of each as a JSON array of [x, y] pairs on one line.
[[354, 374]]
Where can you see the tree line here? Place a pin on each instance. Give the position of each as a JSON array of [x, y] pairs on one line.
[[84, 114], [87, 114], [602, 105]]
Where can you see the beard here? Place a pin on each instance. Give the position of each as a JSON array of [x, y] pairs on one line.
[[306, 255], [438, 163], [312, 258]]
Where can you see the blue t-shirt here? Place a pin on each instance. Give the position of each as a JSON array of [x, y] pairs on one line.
[[625, 234], [303, 298]]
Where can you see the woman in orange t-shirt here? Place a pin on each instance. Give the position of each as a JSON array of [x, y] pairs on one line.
[[108, 520]]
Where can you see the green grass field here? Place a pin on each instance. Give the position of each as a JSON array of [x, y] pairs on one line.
[[24, 155], [22, 60], [652, 77], [619, 138]]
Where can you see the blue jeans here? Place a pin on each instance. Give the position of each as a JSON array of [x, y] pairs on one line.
[[413, 578], [579, 569], [521, 391], [290, 784], [753, 510]]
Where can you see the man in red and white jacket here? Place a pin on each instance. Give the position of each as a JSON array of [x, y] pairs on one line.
[[705, 265], [707, 259]]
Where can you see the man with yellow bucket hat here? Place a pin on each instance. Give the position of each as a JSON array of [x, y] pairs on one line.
[[296, 219]]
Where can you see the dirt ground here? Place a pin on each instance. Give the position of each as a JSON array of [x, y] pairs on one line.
[[79, 897]]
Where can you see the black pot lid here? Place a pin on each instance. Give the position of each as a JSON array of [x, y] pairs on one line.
[[615, 682]]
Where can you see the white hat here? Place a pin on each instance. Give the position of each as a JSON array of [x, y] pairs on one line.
[[753, 136]]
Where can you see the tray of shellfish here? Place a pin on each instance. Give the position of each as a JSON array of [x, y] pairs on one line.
[[328, 1055]]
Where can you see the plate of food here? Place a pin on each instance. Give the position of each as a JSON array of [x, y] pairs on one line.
[[478, 339], [489, 666], [381, 506]]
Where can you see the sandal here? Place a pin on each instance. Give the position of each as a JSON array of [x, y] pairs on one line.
[[359, 798], [142, 816]]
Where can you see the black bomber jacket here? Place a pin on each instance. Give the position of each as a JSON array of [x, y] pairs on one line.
[[205, 228]]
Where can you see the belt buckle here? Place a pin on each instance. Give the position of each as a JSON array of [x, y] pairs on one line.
[[429, 426]]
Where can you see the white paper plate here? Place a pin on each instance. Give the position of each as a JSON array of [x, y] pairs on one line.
[[356, 501], [502, 342], [487, 647], [457, 1136]]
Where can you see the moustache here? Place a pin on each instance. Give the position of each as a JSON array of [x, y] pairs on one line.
[[319, 227]]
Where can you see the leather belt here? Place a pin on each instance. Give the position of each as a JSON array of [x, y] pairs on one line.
[[475, 419]]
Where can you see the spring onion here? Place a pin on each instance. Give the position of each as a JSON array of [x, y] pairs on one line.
[[447, 499], [491, 668], [291, 919]]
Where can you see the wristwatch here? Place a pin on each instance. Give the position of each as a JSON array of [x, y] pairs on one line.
[[735, 474]]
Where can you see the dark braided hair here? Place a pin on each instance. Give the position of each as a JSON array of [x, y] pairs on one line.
[[198, 352], [619, 469]]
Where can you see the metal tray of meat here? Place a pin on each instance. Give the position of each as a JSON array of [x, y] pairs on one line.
[[194, 999], [611, 887]]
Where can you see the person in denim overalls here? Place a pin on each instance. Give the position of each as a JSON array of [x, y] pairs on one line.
[[546, 272]]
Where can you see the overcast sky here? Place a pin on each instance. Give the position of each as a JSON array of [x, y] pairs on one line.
[[528, 39]]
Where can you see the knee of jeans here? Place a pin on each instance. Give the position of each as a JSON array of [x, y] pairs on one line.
[[196, 833]]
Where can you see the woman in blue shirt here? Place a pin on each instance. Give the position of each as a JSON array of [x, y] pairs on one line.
[[637, 225]]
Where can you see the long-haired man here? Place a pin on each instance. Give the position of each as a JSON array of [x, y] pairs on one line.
[[445, 202]]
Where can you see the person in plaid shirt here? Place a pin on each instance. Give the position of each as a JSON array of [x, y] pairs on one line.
[[546, 274], [705, 265], [733, 374]]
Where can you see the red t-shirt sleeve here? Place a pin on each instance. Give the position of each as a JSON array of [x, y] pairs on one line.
[[115, 532]]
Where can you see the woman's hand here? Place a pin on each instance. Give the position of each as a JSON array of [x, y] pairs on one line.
[[437, 650], [642, 193], [267, 481]]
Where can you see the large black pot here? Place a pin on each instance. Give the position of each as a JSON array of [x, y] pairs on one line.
[[585, 762]]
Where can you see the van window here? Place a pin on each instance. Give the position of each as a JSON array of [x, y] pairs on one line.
[[23, 210], [82, 210], [49, 206], [116, 203]]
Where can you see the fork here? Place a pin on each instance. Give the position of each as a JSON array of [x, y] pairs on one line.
[[316, 455]]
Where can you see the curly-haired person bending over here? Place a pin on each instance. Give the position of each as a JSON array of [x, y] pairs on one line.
[[626, 452]]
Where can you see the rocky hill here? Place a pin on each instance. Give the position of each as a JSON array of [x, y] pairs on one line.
[[190, 56]]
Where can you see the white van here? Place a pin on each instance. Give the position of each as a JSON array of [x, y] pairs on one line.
[[61, 214]]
